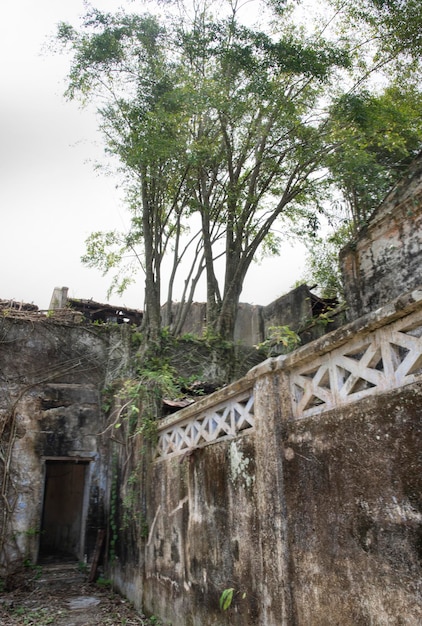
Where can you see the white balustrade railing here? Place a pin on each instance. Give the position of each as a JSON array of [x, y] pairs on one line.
[[378, 353], [385, 359], [215, 423]]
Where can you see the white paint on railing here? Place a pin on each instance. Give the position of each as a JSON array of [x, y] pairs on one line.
[[220, 422], [388, 358]]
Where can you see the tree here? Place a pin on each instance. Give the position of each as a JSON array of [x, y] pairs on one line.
[[208, 118], [258, 142], [122, 62], [378, 136]]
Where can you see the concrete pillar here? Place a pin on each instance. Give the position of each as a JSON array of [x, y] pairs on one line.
[[59, 298], [276, 592]]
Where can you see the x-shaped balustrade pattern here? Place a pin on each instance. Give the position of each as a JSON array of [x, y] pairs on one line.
[[214, 424], [388, 358]]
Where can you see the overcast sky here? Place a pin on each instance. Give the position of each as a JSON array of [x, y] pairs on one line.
[[50, 197]]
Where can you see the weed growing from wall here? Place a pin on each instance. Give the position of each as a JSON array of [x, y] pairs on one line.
[[280, 340]]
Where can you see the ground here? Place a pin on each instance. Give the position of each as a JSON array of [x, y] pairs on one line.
[[60, 595]]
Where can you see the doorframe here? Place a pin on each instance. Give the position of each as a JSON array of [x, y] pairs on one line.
[[88, 461]]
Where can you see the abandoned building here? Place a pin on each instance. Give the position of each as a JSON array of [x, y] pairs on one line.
[[298, 487], [93, 311]]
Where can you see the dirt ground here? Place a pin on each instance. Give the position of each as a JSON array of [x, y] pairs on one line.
[[59, 595]]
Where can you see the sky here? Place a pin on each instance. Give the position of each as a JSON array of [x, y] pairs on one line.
[[51, 198]]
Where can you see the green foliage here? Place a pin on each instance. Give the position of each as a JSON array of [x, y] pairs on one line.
[[226, 133], [131, 502], [396, 25], [136, 339], [34, 617], [107, 251], [31, 532], [140, 397], [134, 405], [107, 398], [208, 118], [377, 138], [33, 567], [323, 319], [226, 598], [323, 264], [103, 582], [280, 340]]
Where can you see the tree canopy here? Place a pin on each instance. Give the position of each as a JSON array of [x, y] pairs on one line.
[[396, 24], [224, 133]]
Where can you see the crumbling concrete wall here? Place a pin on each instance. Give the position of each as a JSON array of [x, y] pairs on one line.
[[299, 309], [298, 487], [385, 259], [298, 491], [51, 375]]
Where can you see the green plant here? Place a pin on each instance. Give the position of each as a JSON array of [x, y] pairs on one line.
[[227, 596], [104, 582], [324, 319], [130, 504], [35, 617], [107, 396], [280, 339], [136, 338], [31, 532]]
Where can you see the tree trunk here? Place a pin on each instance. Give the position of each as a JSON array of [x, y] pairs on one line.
[[213, 293], [152, 313]]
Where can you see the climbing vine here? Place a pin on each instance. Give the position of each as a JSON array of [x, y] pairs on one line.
[[134, 405]]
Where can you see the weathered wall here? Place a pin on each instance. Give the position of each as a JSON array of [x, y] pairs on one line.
[[353, 498], [384, 261], [299, 486], [295, 309], [50, 408]]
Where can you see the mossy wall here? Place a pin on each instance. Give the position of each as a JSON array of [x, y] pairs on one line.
[[311, 521], [353, 486]]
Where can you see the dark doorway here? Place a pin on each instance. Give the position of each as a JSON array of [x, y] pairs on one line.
[[63, 510]]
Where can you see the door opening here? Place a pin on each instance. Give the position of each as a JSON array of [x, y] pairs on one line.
[[62, 526]]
